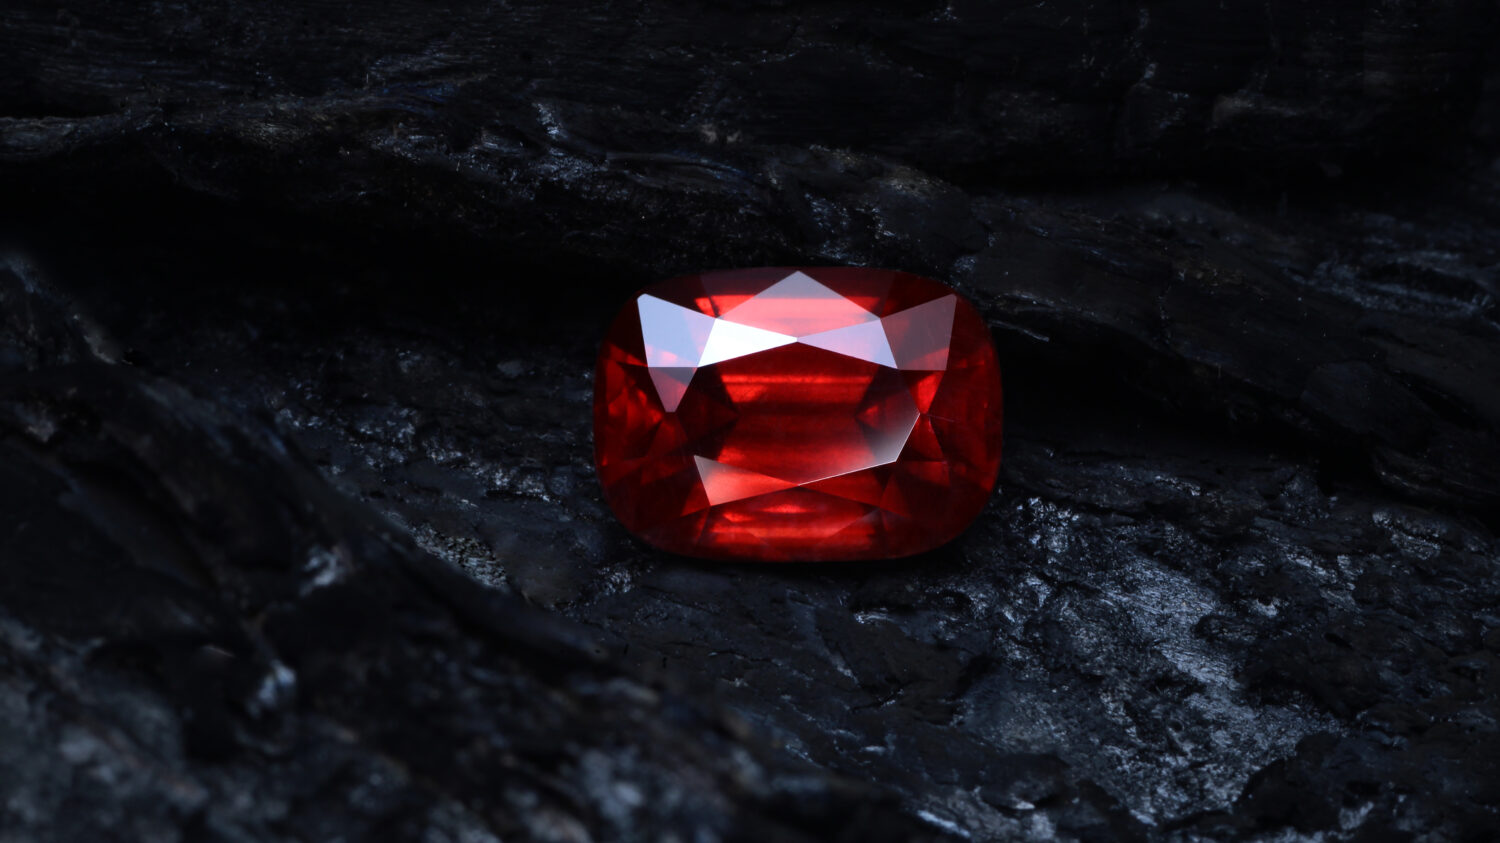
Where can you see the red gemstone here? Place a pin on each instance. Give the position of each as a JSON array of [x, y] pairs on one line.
[[797, 414]]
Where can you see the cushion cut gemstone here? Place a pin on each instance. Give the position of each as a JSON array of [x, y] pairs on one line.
[[797, 414]]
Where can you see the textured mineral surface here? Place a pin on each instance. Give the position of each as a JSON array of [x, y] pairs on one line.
[[299, 307]]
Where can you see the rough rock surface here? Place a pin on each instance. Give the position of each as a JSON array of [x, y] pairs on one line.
[[298, 308]]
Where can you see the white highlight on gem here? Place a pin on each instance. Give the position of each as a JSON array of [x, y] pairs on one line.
[[866, 341], [674, 335], [683, 339], [818, 308], [730, 340]]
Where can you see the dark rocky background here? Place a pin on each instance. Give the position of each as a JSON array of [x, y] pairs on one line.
[[298, 306]]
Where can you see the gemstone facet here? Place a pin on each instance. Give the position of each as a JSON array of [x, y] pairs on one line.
[[797, 414]]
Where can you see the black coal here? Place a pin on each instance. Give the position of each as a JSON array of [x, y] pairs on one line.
[[301, 541]]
